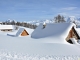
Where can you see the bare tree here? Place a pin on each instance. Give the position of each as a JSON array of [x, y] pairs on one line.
[[59, 19]]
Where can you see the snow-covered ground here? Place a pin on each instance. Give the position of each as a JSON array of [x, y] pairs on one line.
[[27, 48], [5, 55]]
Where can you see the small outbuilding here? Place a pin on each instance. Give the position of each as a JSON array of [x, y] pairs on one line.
[[22, 32], [6, 28]]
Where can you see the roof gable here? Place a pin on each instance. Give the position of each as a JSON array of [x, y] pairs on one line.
[[19, 31], [24, 33]]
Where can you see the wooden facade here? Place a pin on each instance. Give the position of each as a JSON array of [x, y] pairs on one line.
[[72, 34], [24, 33], [6, 30]]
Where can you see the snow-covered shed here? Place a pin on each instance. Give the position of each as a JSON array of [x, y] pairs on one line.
[[22, 32], [6, 27], [56, 31]]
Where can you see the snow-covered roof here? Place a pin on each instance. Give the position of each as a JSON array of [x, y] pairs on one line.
[[6, 27], [57, 31], [21, 29]]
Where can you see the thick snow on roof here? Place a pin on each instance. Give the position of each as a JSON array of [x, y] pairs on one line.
[[6, 27], [57, 32], [28, 30], [19, 31]]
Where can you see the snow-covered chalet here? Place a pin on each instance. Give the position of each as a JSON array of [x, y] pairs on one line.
[[56, 31]]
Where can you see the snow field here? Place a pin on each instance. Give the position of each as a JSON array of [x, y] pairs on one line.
[[50, 47], [19, 56]]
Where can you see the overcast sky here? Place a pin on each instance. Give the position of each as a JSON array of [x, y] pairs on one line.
[[25, 10]]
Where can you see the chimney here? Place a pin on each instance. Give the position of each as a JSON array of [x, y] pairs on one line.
[[44, 25]]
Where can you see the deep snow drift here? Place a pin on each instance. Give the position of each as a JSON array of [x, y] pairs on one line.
[[36, 49]]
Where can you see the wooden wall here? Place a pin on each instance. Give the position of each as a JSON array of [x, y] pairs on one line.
[[24, 33], [5, 30], [72, 34]]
